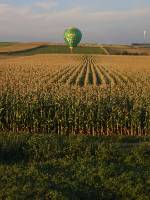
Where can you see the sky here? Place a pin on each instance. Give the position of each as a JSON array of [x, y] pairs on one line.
[[101, 21]]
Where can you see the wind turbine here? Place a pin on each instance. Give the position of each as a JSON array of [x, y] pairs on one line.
[[145, 34]]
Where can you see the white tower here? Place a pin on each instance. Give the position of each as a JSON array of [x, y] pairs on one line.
[[145, 35]]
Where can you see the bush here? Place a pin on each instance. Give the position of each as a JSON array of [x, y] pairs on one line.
[[74, 167]]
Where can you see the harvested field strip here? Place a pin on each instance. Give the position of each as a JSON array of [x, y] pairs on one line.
[[101, 79], [90, 74], [60, 75], [86, 81], [123, 78], [107, 77], [73, 77], [95, 75], [68, 74], [53, 75], [81, 77], [111, 75]]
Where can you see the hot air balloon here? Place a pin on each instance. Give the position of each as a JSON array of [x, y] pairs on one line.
[[72, 37]]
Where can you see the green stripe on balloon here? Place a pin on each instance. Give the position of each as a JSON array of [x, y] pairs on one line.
[[72, 37]]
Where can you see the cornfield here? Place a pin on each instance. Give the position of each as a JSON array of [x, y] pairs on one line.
[[97, 95]]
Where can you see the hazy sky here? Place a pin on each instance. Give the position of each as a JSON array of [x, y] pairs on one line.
[[103, 21]]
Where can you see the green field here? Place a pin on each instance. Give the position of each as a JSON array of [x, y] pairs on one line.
[[44, 48], [75, 167], [57, 49], [6, 44]]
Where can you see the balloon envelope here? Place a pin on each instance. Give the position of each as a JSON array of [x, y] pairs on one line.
[[72, 37]]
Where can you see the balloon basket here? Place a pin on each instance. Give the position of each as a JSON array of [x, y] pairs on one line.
[[71, 49]]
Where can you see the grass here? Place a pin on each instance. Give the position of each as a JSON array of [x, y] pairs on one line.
[[59, 49], [6, 44], [75, 167]]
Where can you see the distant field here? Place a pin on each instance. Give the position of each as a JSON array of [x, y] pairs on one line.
[[26, 49], [127, 50], [6, 44], [49, 49], [18, 47]]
